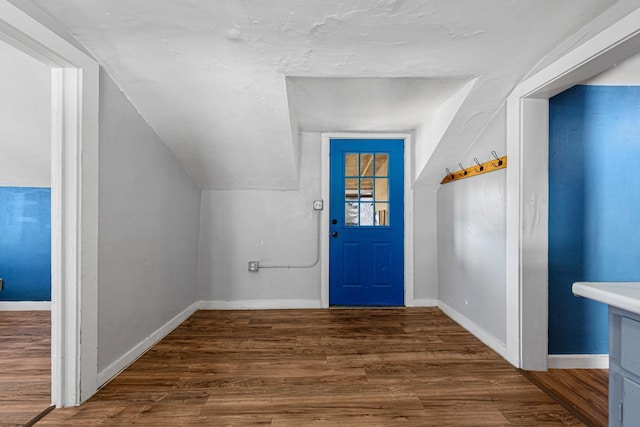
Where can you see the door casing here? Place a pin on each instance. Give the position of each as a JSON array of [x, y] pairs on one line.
[[74, 200], [527, 183], [408, 211]]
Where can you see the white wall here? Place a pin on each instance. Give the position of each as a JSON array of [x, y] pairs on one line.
[[429, 134], [425, 245], [274, 227], [280, 227], [148, 227], [626, 73], [472, 238], [25, 120]]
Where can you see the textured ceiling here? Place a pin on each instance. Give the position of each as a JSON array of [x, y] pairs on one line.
[[210, 76], [366, 104]]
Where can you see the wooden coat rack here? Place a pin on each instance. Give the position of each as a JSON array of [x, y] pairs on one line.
[[478, 169]]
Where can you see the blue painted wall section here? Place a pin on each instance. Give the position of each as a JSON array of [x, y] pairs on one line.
[[25, 243], [594, 208]]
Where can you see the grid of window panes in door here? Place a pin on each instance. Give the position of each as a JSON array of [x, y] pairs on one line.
[[366, 189]]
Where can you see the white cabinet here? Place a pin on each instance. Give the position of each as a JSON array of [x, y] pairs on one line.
[[623, 299], [630, 409], [624, 368]]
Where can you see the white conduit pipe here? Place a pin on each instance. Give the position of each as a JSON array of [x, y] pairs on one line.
[[303, 265]]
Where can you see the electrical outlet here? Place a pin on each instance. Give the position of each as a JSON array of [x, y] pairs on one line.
[[254, 266], [318, 205]]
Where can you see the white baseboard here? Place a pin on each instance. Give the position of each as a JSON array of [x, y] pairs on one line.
[[258, 304], [108, 373], [484, 336], [25, 305], [424, 302], [578, 361]]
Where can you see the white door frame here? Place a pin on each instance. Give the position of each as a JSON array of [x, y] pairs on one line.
[[74, 202], [408, 210], [528, 180]]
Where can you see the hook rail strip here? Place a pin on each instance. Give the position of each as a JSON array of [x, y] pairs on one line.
[[478, 169]]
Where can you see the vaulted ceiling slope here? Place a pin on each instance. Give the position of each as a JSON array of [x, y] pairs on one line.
[[210, 76]]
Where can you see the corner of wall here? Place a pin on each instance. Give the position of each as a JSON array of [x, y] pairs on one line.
[[430, 134]]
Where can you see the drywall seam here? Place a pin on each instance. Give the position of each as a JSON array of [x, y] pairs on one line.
[[111, 371], [473, 328], [258, 304]]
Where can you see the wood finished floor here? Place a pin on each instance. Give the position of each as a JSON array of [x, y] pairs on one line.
[[25, 365], [318, 367], [585, 391]]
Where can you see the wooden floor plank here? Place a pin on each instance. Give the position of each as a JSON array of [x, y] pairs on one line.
[[25, 365], [364, 367], [584, 391]]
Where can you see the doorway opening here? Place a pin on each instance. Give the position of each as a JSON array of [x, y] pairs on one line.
[[74, 201], [25, 235], [527, 184]]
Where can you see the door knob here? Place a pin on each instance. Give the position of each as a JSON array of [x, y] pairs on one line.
[[334, 234]]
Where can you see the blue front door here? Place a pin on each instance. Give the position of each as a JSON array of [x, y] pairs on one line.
[[366, 251]]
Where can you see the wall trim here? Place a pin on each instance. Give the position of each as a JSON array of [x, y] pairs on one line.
[[408, 209], [258, 304], [25, 305], [578, 361], [111, 371], [476, 330], [424, 302]]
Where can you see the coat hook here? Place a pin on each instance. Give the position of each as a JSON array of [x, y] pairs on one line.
[[463, 169], [495, 156], [450, 174], [481, 168]]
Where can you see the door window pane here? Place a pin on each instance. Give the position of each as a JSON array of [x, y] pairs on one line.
[[351, 164], [382, 164], [366, 213], [351, 213], [366, 164], [351, 189], [382, 189], [382, 214], [366, 188]]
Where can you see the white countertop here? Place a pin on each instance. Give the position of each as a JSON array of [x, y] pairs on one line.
[[624, 295]]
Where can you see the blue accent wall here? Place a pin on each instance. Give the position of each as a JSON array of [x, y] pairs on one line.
[[594, 208], [25, 243]]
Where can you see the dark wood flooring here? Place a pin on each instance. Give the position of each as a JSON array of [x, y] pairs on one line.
[[25, 365], [366, 367], [583, 391]]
